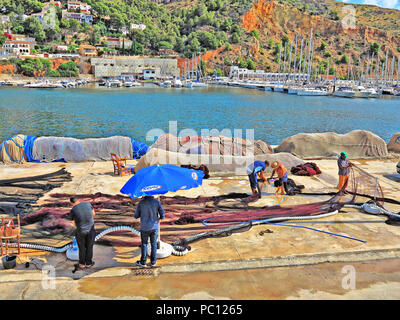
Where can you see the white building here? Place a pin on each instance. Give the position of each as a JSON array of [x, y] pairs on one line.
[[117, 42], [61, 48], [138, 26], [19, 45], [78, 6]]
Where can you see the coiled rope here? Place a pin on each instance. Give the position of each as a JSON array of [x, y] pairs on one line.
[[175, 250]]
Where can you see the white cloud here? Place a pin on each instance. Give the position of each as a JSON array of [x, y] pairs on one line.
[[384, 3]]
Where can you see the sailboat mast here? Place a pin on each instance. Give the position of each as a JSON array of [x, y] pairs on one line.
[[279, 63], [311, 58], [386, 65], [295, 57], [392, 71], [290, 61], [301, 56], [398, 69]]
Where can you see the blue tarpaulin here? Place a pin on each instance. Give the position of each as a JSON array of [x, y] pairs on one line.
[[28, 148], [139, 149]]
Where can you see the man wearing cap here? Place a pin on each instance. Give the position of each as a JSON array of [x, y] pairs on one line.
[[344, 165], [282, 174]]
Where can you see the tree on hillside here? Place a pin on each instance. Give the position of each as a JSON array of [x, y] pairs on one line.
[[2, 39], [374, 48], [74, 25], [33, 66], [33, 27], [242, 63], [235, 38], [18, 29], [64, 23], [68, 69], [250, 64], [254, 33]]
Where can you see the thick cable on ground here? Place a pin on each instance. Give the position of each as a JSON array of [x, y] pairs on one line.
[[175, 250]]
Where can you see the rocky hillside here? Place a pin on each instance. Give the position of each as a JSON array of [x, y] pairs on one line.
[[265, 24], [248, 33]]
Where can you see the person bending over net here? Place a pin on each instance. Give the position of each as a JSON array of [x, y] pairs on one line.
[[344, 170], [282, 173], [255, 171]]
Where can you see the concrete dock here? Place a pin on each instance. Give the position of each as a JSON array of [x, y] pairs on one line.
[[266, 262]]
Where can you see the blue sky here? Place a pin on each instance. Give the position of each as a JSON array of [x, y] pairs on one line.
[[382, 3]]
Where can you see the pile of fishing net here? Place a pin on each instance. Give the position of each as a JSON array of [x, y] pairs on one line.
[[217, 145], [357, 144], [22, 148], [308, 169], [216, 164]]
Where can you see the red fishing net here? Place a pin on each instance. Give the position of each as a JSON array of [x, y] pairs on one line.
[[188, 217]]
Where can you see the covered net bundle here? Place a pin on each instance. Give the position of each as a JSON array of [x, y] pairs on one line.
[[21, 148], [357, 144], [12, 150], [217, 145]]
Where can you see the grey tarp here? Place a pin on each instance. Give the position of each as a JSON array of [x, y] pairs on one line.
[[48, 149], [357, 144]]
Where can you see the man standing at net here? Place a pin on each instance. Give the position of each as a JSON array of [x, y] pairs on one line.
[[149, 210], [344, 171], [82, 215]]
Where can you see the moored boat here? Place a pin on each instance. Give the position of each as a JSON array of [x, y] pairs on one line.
[[344, 92], [318, 91]]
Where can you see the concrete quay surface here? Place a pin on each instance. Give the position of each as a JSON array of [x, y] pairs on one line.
[[266, 262]]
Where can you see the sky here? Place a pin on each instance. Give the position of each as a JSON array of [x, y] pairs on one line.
[[393, 4]]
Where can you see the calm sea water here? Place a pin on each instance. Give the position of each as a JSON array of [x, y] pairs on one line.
[[102, 112]]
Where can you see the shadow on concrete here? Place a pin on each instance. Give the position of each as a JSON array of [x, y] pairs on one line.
[[393, 177]]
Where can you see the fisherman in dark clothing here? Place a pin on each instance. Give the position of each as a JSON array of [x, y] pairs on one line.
[[344, 165], [82, 215], [149, 210]]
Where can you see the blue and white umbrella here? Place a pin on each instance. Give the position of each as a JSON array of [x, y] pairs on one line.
[[160, 179]]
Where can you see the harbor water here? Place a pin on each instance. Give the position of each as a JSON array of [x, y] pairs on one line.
[[101, 112]]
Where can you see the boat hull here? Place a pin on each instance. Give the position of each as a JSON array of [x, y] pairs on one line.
[[344, 94]]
